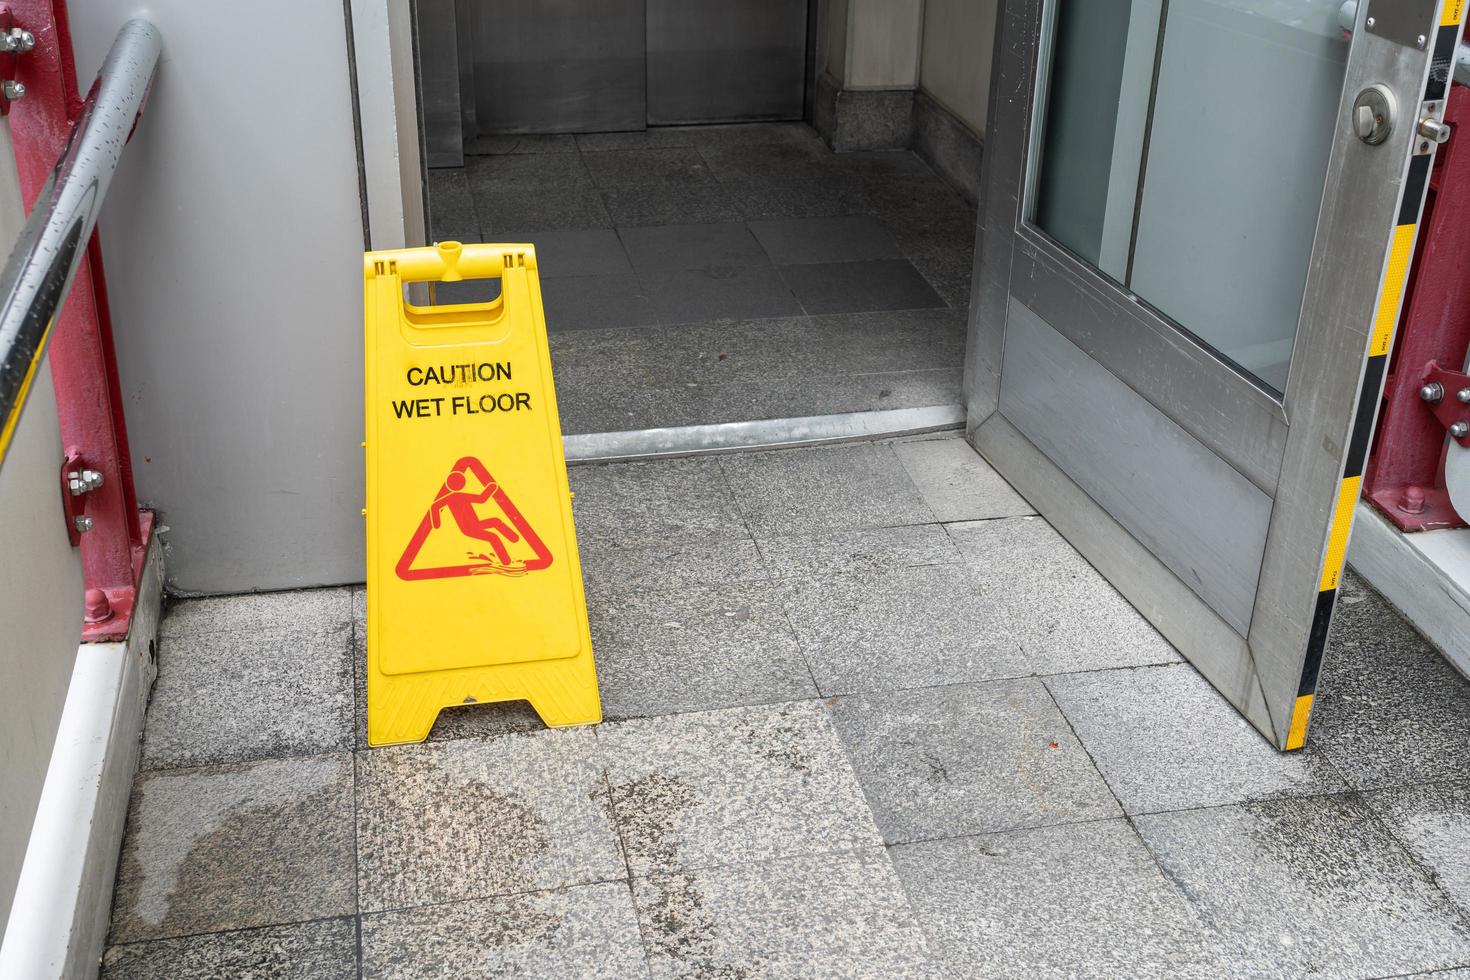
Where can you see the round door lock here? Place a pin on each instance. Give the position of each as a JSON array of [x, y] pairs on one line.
[[1373, 113]]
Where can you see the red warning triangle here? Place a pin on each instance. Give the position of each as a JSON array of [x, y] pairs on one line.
[[479, 521]]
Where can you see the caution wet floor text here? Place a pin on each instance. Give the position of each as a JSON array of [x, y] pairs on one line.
[[474, 583]]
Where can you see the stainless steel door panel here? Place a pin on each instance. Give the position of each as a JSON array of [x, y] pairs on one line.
[[439, 79], [726, 60], [560, 66], [1204, 520]]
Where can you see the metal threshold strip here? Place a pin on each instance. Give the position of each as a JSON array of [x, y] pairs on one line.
[[725, 437]]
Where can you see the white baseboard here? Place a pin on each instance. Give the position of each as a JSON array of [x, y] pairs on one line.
[[1424, 575], [63, 901]]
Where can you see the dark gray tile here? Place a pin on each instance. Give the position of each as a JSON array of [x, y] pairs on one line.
[[578, 252], [802, 241], [1433, 823], [510, 215], [968, 759], [234, 847], [628, 168], [452, 214], [694, 648], [1083, 624], [544, 174], [1069, 901], [464, 291], [865, 550], [239, 695], [672, 203], [895, 164], [732, 787], [1165, 740], [673, 501], [491, 144], [322, 950], [752, 134], [545, 143], [834, 915], [829, 488], [902, 628], [644, 139], [779, 161], [477, 818], [672, 565], [860, 287], [1312, 886], [300, 608], [663, 248], [596, 302], [719, 293], [588, 931], [956, 483], [1390, 709], [812, 197]]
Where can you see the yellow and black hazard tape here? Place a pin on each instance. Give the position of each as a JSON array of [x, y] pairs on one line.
[[1400, 252]]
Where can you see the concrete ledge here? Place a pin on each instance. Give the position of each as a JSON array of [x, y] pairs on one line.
[[949, 146], [63, 901], [863, 119]]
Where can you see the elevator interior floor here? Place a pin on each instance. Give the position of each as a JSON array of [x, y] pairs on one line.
[[711, 274], [867, 717]]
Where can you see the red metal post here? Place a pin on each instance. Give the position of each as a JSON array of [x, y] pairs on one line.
[[1405, 474], [83, 363]]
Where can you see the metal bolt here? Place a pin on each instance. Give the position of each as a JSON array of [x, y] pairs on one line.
[[84, 481], [1459, 429], [17, 41], [1371, 21], [83, 523], [1412, 500], [1432, 392], [96, 608], [1434, 130], [1419, 41], [1463, 395], [12, 91]]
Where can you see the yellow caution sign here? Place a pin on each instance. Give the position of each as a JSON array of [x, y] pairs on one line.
[[474, 586]]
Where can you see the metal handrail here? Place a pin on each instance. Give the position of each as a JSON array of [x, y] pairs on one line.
[[43, 263]]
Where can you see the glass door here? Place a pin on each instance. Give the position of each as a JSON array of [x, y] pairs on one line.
[[1197, 224]]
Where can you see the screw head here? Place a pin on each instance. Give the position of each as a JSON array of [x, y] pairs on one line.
[[83, 523], [1371, 21], [1419, 41], [12, 91], [1433, 391], [1463, 395], [1459, 429]]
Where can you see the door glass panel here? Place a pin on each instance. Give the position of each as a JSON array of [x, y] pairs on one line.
[[1159, 163]]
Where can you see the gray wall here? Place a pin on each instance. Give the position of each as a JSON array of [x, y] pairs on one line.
[[40, 594], [954, 68], [233, 236]]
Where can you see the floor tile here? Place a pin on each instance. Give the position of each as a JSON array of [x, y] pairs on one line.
[[720, 292], [830, 488], [643, 139], [801, 197], [968, 759], [579, 252], [881, 163], [781, 161], [545, 143], [510, 215], [835, 916], [670, 248], [672, 565], [544, 173], [1165, 740], [694, 648], [1390, 709], [473, 819], [956, 483], [464, 291], [799, 241], [325, 949], [1311, 886], [1083, 624], [672, 203], [234, 696], [589, 931], [865, 550], [311, 608], [752, 134], [451, 207], [1071, 901], [635, 504], [860, 287], [234, 847], [596, 302], [624, 168], [902, 628], [731, 787], [1433, 824]]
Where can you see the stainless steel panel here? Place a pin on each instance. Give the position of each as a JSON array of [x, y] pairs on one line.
[[560, 66], [437, 33], [726, 60], [1204, 520]]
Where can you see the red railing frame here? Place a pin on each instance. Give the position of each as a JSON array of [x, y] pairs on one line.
[[83, 360]]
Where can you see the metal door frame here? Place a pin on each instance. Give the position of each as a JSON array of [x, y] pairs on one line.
[[1305, 450]]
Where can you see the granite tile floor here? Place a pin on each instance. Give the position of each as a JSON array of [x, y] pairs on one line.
[[695, 275], [837, 745]]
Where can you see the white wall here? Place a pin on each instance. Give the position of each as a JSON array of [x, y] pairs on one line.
[[883, 38], [40, 592], [955, 68], [233, 236]]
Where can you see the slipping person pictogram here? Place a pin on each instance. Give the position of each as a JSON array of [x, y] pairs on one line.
[[457, 508]]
